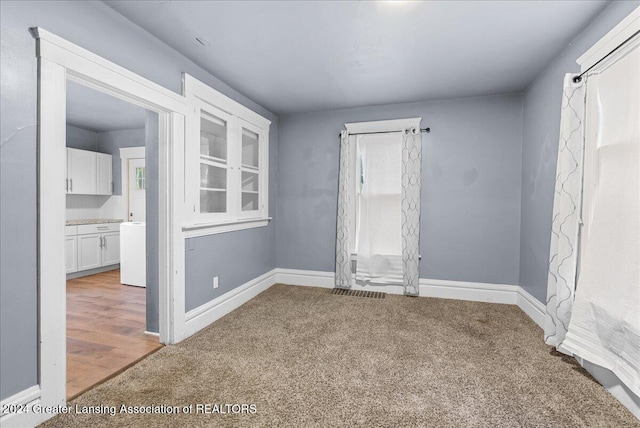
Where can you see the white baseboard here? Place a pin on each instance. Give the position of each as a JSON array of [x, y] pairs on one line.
[[202, 316], [22, 415], [471, 291], [531, 306], [459, 290]]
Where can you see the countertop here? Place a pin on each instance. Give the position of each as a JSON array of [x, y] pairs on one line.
[[93, 221]]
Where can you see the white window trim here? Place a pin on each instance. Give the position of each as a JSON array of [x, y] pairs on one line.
[[199, 97]]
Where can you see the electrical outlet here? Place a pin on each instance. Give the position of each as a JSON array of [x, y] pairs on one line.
[[215, 282]]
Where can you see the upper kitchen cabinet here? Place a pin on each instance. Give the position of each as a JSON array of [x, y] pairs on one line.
[[89, 173], [104, 180]]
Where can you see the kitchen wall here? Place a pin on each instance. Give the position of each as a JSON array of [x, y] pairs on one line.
[[83, 139], [541, 130], [470, 223], [112, 141], [98, 28]]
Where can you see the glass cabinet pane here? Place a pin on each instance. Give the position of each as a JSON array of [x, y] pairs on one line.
[[249, 201], [213, 201], [249, 181], [213, 137], [213, 177], [250, 146]]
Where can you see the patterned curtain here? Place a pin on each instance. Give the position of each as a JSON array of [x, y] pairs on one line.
[[563, 256], [411, 183], [343, 247]]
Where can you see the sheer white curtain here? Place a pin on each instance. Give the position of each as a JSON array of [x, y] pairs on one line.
[[379, 217], [605, 321], [344, 226]]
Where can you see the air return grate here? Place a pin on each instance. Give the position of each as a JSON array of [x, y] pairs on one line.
[[358, 293]]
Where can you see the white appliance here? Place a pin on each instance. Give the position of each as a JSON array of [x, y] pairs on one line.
[[133, 253]]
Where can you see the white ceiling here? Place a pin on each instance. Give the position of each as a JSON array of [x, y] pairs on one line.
[[294, 56], [98, 112]]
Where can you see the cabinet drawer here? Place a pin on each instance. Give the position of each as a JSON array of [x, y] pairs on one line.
[[70, 230], [85, 229]]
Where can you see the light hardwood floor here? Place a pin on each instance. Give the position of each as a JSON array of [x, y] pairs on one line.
[[105, 329]]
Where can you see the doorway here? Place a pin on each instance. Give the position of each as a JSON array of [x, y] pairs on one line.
[[110, 322], [60, 61]]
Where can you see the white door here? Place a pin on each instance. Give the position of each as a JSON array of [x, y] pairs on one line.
[[110, 248], [89, 251], [137, 186], [71, 253], [81, 172], [104, 174]]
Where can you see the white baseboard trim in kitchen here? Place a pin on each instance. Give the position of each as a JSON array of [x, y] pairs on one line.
[[202, 316], [19, 408]]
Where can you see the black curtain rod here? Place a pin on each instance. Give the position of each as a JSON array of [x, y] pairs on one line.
[[427, 130], [578, 78]]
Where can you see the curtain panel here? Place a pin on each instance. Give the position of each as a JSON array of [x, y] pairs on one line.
[[411, 185], [563, 255], [343, 246]]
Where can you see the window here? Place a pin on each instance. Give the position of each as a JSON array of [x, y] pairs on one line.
[[141, 178], [226, 163]]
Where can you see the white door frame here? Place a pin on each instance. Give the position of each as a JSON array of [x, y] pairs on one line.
[[59, 61]]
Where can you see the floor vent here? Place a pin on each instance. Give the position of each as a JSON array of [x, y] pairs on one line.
[[358, 293]]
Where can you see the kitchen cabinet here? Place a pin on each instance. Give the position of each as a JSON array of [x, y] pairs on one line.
[[89, 173], [71, 249], [104, 180], [92, 246]]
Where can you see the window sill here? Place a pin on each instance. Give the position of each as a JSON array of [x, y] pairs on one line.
[[203, 229]]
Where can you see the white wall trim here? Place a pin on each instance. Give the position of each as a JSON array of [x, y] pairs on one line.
[[25, 416], [202, 316], [531, 306], [58, 62], [195, 230], [625, 29], [192, 86], [459, 290], [383, 125]]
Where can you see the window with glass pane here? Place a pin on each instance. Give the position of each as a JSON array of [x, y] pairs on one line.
[[140, 178], [213, 164], [250, 171]]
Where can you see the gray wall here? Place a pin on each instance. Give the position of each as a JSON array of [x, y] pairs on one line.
[[470, 222], [98, 28], [152, 200], [111, 142], [78, 138], [541, 131]]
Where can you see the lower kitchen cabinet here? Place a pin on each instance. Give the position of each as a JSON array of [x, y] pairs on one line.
[[94, 246]]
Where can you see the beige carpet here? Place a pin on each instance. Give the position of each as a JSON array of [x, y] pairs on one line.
[[307, 358]]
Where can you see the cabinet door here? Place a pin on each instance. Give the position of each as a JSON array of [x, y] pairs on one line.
[[81, 172], [110, 248], [104, 174], [71, 253], [89, 251]]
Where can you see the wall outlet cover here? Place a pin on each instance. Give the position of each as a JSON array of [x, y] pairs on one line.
[[215, 282]]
